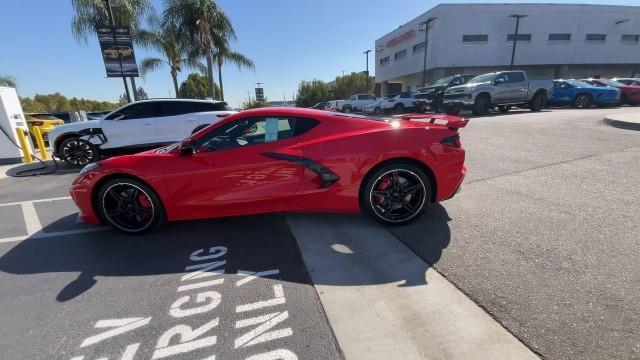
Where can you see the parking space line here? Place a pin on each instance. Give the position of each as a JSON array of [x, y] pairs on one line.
[[31, 219], [42, 235], [35, 201]]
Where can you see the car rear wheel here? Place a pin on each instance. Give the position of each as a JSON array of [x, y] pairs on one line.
[[346, 109], [537, 103], [377, 111], [582, 101], [398, 109], [396, 194], [130, 206], [78, 152]]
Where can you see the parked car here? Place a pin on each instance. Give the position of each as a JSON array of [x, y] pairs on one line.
[[45, 122], [399, 103], [335, 105], [432, 96], [134, 127], [498, 89], [97, 115], [115, 52], [630, 94], [320, 105], [357, 103], [376, 107], [213, 173], [628, 81], [581, 95]]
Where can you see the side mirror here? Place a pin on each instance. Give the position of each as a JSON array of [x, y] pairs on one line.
[[498, 81], [187, 148]]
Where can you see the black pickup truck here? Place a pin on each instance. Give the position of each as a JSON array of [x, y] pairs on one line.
[[432, 96]]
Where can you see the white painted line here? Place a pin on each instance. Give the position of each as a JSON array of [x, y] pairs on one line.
[[35, 201], [382, 300], [31, 218], [43, 235]]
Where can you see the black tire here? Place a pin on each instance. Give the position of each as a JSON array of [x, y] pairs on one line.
[[78, 152], [377, 111], [582, 101], [436, 105], [130, 206], [396, 194], [398, 109], [504, 108], [482, 105], [198, 128], [346, 109], [538, 102]]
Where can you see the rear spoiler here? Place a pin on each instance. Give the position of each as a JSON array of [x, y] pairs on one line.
[[452, 122]]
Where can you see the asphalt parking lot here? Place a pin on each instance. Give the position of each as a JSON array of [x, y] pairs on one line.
[[544, 237]]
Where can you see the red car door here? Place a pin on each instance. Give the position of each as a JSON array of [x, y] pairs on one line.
[[229, 174]]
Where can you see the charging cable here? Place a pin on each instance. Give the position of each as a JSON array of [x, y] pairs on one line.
[[30, 172]]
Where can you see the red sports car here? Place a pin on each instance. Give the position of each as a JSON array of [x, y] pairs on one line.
[[629, 94], [281, 160]]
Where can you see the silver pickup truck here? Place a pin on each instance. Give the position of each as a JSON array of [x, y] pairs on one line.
[[502, 89]]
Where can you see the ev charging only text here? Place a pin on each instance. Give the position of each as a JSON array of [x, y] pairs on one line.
[[196, 307]]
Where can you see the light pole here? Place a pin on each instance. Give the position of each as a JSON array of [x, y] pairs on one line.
[[366, 53], [515, 35], [424, 26]]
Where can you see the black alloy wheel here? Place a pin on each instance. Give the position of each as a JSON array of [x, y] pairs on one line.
[[397, 194], [130, 206], [78, 152], [377, 110], [398, 109], [537, 103], [582, 101], [481, 105]]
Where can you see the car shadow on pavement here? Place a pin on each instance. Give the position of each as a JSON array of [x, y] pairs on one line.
[[36, 167], [253, 242]]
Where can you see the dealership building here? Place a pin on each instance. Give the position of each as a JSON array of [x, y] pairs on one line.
[[553, 41]]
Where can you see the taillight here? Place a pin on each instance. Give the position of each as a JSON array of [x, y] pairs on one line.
[[37, 123], [452, 141]]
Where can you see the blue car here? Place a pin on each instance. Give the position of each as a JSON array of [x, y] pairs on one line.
[[582, 95]]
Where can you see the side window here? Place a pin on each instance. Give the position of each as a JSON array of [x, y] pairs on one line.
[[502, 77], [135, 111], [515, 77], [247, 132], [455, 82]]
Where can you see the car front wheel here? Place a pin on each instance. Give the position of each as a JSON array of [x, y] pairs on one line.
[[396, 194], [130, 206], [78, 152]]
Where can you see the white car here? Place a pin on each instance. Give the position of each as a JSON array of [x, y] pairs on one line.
[[376, 107], [134, 127], [357, 102], [399, 103]]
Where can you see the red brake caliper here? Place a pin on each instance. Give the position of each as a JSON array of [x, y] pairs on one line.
[[384, 184], [144, 202]]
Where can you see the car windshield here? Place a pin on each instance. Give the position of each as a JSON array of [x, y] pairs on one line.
[[483, 78], [611, 82], [444, 81], [577, 83]]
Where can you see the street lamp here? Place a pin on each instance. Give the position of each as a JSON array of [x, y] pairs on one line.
[[424, 26], [366, 53], [515, 35]]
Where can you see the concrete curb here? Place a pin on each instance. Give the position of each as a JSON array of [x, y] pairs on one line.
[[624, 121]]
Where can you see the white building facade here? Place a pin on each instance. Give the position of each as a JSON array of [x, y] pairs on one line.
[[554, 41]]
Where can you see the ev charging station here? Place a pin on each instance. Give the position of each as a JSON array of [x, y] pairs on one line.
[[11, 118]]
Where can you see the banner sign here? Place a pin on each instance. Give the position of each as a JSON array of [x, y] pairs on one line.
[[117, 51]]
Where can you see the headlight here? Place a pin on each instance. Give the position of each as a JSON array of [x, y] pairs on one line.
[[89, 167]]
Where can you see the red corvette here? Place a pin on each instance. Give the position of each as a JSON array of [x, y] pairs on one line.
[[281, 160]]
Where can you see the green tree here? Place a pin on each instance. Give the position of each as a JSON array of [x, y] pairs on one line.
[[311, 93], [53, 102], [31, 106], [142, 95], [253, 104], [166, 38], [8, 81], [92, 13], [58, 102], [195, 86], [224, 54], [354, 83], [205, 23]]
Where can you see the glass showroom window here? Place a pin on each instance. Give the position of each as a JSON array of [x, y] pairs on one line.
[[559, 37], [521, 37], [400, 54], [629, 38], [596, 37], [418, 47], [480, 38], [384, 60]]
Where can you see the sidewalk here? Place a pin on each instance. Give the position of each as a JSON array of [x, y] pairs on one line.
[[630, 121]]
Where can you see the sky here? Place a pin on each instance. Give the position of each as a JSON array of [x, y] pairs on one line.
[[289, 41]]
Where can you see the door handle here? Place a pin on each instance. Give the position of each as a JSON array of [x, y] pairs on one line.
[[146, 124]]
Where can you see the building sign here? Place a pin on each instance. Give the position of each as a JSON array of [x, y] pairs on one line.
[[401, 38], [379, 47], [259, 94], [117, 51]]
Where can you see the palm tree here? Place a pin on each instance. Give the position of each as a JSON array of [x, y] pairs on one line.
[[165, 37], [205, 23], [7, 81], [224, 54], [92, 13]]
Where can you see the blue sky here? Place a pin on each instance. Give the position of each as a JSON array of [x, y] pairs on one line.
[[289, 40]]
